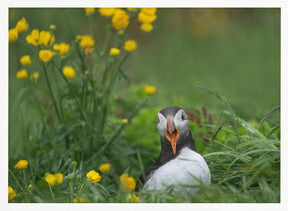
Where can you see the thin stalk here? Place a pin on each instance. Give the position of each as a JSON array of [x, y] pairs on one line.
[[76, 100], [58, 88], [118, 131], [73, 37], [51, 191], [229, 107], [51, 93]]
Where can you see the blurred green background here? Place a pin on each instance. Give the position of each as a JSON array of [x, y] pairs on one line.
[[235, 52]]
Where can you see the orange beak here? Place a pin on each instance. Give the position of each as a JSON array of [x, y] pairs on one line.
[[172, 133]]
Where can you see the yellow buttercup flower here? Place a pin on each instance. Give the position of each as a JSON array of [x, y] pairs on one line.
[[93, 176], [107, 12], [68, 72], [89, 50], [61, 48], [79, 200], [146, 27], [25, 60], [128, 183], [131, 9], [130, 45], [12, 35], [125, 121], [123, 177], [11, 193], [120, 20], [22, 74], [21, 25], [149, 11], [45, 55], [114, 51], [105, 167], [133, 198], [86, 41], [22, 164], [34, 77], [150, 90], [89, 11], [54, 179], [144, 18], [44, 38], [33, 37], [52, 27]]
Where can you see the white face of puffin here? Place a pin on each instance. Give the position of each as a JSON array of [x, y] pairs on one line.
[[173, 128]]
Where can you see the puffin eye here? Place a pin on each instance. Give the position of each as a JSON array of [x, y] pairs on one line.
[[183, 117], [158, 120]]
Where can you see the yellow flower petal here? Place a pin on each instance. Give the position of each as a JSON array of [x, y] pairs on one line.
[[25, 60], [120, 20], [150, 90], [22, 164], [68, 72], [114, 51], [22, 74], [45, 55], [93, 176], [11, 193], [79, 200], [130, 45], [12, 35], [146, 27], [21, 25], [105, 167], [89, 11]]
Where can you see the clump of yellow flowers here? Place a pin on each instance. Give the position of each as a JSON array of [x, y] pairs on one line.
[[127, 182], [147, 16], [54, 179], [133, 198], [95, 65], [79, 200], [61, 49]]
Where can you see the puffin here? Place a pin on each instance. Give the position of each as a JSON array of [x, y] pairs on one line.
[[179, 167]]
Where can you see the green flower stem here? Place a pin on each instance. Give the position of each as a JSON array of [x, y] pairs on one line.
[[51, 93], [76, 100], [58, 88], [117, 133], [73, 37], [51, 191], [71, 191]]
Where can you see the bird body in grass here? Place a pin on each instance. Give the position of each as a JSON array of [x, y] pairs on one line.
[[179, 167]]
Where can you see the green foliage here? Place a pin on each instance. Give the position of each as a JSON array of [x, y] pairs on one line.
[[243, 155]]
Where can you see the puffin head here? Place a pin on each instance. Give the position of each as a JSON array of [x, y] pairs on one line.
[[173, 125]]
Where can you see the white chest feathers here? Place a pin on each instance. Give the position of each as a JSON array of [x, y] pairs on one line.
[[183, 174]]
